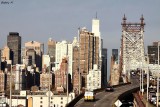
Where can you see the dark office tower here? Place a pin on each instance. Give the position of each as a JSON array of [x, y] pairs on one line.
[[153, 53], [104, 67], [51, 49], [14, 43], [115, 55]]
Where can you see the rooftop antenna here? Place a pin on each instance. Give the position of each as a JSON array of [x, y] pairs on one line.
[[96, 15]]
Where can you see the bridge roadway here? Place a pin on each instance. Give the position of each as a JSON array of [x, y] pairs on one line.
[[106, 99]]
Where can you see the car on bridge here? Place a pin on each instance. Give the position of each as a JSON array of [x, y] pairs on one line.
[[109, 89]]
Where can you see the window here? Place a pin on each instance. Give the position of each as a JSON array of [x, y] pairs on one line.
[[41, 102], [61, 98], [41, 106], [61, 102], [41, 98]]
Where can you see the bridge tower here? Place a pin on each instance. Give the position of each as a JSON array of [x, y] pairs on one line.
[[132, 47]]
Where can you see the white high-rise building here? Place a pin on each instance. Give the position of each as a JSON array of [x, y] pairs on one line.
[[95, 27], [61, 52], [96, 31], [70, 58], [45, 61], [64, 49]]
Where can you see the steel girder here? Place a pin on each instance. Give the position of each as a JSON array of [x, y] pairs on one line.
[[132, 48]]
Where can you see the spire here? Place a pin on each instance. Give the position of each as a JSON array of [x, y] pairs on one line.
[[96, 15], [124, 18], [142, 20]]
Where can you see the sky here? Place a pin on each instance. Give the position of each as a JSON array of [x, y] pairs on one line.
[[39, 20]]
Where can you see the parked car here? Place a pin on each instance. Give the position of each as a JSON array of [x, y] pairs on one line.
[[109, 89]]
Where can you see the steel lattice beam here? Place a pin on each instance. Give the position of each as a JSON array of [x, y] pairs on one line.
[[132, 47]]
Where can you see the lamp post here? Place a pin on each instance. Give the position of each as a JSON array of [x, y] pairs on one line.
[[158, 78], [147, 81], [141, 75], [148, 73], [142, 79], [67, 86]]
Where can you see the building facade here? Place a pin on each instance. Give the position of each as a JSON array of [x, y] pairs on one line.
[[14, 43], [104, 68], [30, 57], [39, 50], [2, 81], [115, 55], [89, 53], [99, 41], [46, 61], [45, 81], [5, 53], [0, 59], [94, 79], [51, 49], [61, 75], [76, 75], [61, 52], [64, 49], [153, 53], [42, 99]]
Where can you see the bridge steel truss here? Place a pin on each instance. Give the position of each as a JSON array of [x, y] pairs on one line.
[[132, 47]]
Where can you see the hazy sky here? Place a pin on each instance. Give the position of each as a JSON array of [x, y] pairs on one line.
[[60, 19]]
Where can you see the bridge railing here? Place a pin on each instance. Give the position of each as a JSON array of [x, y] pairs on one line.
[[75, 100], [134, 90]]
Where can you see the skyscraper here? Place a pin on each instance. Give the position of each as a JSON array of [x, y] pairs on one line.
[[14, 43], [99, 45], [153, 53], [51, 49], [5, 53], [89, 53], [115, 55], [104, 67], [63, 50], [61, 74], [33, 53]]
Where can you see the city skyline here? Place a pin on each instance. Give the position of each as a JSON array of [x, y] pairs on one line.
[[60, 20]]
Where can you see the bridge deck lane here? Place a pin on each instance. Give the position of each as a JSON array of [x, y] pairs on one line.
[[106, 99]]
